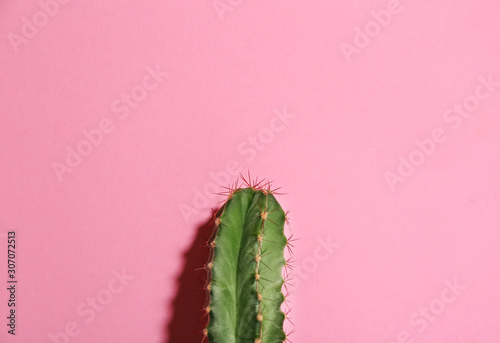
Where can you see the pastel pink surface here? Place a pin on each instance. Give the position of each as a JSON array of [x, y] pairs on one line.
[[124, 206]]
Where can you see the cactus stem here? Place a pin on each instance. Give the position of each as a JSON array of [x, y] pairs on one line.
[[265, 240], [258, 259], [247, 237]]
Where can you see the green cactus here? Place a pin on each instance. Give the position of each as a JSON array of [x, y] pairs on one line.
[[245, 268]]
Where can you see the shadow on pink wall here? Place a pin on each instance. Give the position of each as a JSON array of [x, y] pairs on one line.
[[189, 319]]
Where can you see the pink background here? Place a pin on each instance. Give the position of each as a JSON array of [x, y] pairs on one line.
[[120, 208]]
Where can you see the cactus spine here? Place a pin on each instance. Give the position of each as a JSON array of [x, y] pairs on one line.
[[245, 268]]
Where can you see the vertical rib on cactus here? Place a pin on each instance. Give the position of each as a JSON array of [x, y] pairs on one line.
[[245, 269]]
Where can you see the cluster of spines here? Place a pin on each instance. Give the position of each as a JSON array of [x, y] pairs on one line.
[[264, 186]]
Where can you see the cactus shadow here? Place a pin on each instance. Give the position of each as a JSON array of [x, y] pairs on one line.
[[188, 321]]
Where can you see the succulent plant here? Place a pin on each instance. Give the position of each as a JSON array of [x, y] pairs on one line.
[[246, 267]]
